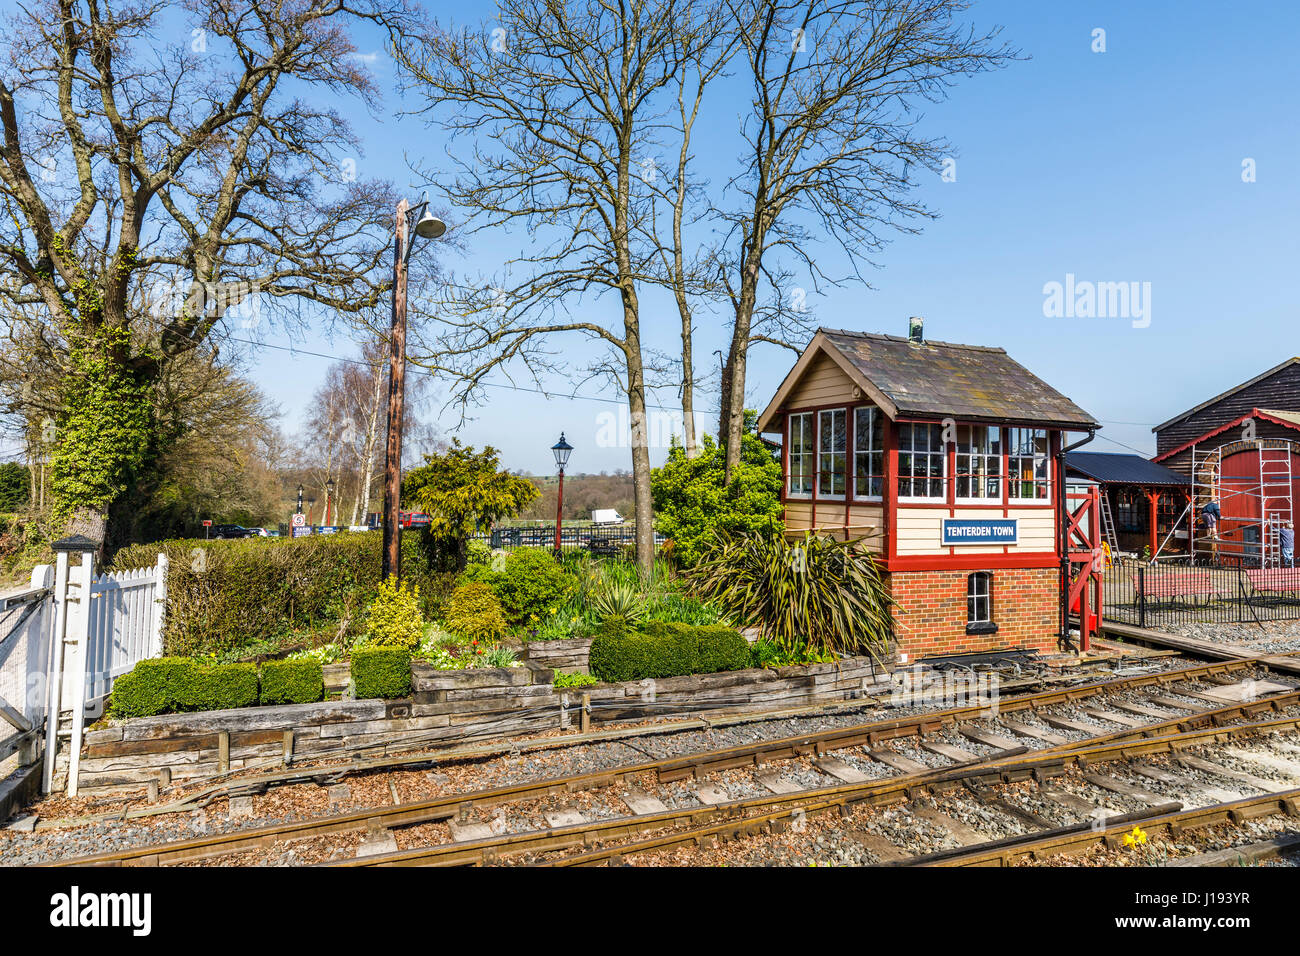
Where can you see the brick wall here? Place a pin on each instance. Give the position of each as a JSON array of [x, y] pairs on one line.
[[931, 612]]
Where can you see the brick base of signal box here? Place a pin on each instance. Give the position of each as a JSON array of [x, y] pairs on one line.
[[930, 616]]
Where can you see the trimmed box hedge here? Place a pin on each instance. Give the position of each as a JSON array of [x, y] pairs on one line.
[[168, 684], [292, 682], [381, 672], [150, 687], [666, 650]]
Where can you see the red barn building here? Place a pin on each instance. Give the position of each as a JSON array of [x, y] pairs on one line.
[[943, 460], [1240, 449]]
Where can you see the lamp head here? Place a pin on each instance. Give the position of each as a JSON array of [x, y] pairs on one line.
[[430, 226], [562, 450]]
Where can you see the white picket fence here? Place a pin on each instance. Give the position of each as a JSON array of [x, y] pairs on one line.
[[126, 619], [56, 646]]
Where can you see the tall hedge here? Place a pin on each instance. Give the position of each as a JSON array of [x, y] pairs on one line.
[[227, 594]]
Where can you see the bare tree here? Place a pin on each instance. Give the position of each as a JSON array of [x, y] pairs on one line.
[[690, 273], [562, 100], [130, 158], [830, 146]]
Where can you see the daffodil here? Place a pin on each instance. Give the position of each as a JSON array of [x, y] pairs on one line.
[[1135, 837]]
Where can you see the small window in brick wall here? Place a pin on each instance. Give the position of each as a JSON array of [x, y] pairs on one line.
[[979, 603]]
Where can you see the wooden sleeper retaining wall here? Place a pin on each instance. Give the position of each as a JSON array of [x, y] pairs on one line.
[[445, 708]]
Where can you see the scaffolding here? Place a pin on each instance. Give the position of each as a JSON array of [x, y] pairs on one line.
[[1254, 501]]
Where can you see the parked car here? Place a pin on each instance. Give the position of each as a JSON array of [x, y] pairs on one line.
[[229, 531]]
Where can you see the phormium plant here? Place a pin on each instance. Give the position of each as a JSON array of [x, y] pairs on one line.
[[813, 591]]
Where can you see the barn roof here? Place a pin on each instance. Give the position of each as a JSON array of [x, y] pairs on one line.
[[1122, 469], [1286, 419], [938, 380], [1230, 392]]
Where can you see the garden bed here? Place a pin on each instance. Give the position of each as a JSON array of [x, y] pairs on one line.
[[445, 708]]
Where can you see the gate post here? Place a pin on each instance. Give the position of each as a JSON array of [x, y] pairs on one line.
[[159, 608], [68, 652]]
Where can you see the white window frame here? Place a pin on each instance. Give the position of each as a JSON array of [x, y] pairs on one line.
[[985, 457], [1015, 459], [810, 456], [910, 451], [875, 447], [977, 582], [842, 452]]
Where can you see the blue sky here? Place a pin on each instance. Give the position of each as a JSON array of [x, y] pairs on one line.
[[1122, 166]]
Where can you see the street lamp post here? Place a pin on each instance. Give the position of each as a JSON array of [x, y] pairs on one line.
[[562, 450], [427, 226], [329, 499]]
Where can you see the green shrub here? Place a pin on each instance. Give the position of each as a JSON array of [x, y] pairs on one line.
[[478, 553], [381, 672], [531, 583], [221, 687], [171, 684], [223, 595], [693, 501], [299, 681], [475, 611], [393, 618], [665, 650], [768, 653], [721, 648], [812, 592], [619, 600], [565, 679], [151, 687]]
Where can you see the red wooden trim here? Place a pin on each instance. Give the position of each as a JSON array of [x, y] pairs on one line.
[[971, 562], [960, 506], [890, 490]]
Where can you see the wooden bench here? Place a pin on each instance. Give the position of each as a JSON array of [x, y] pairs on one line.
[[1275, 580], [1176, 584]]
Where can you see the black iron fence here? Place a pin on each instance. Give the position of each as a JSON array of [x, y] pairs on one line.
[[600, 539], [1173, 593]]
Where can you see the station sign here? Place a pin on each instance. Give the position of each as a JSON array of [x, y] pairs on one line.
[[985, 531]]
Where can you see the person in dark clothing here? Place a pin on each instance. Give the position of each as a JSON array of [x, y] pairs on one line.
[[1212, 515]]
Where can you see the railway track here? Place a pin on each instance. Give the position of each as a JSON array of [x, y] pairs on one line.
[[1079, 785], [469, 825], [1169, 825]]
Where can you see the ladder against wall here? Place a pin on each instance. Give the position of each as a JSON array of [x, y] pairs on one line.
[[1108, 524], [1254, 484]]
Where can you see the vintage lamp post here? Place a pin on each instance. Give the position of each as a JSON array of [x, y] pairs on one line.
[[329, 500], [427, 226], [562, 450]]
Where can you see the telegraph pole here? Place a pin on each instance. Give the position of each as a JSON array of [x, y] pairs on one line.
[[396, 396]]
